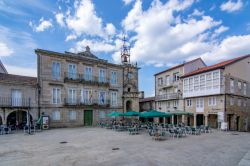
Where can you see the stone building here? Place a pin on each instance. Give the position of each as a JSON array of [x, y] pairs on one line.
[[18, 98], [169, 88], [147, 103], [79, 89], [220, 93]]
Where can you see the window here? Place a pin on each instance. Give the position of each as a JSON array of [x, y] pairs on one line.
[[239, 85], [168, 104], [72, 96], [88, 73], [209, 81], [231, 101], [102, 75], [231, 85], [196, 83], [114, 98], [113, 77], [239, 102], [56, 72], [245, 89], [191, 84], [56, 115], [245, 103], [56, 96], [216, 80], [176, 76], [72, 115], [16, 97], [102, 97], [86, 96], [72, 71], [159, 105], [202, 82], [160, 81], [189, 102], [176, 103], [167, 80], [211, 101], [199, 103], [185, 85]]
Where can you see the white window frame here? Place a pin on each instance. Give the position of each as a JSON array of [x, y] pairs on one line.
[[199, 103], [239, 85], [56, 115], [102, 75], [245, 88], [114, 98], [88, 72], [189, 102], [72, 95], [56, 70], [231, 85], [72, 115], [212, 101], [113, 77], [72, 74], [231, 101], [239, 102], [86, 96], [56, 95]]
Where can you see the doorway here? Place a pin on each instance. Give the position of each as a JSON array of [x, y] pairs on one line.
[[128, 105], [88, 117], [237, 123], [200, 118]]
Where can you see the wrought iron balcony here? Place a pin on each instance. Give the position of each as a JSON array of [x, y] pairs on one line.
[[86, 102], [168, 96], [11, 102], [86, 79]]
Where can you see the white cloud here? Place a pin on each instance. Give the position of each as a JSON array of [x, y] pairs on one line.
[[196, 12], [230, 47], [71, 37], [43, 25], [59, 19], [21, 70], [96, 46], [221, 29], [110, 29], [85, 20], [231, 6], [5, 50], [127, 2], [162, 35]]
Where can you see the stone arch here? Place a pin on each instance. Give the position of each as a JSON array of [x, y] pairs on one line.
[[129, 105], [19, 115]]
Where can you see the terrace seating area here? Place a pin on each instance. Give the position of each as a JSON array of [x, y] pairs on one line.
[[157, 131]]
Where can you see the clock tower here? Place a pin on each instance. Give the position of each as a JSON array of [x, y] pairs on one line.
[[130, 80]]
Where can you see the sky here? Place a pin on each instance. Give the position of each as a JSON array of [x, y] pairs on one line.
[[160, 33]]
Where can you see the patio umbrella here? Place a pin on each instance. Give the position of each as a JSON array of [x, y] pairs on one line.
[[154, 114], [131, 113], [115, 114]]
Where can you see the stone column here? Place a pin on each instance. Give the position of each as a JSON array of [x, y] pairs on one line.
[[206, 119], [172, 119], [194, 120], [164, 120], [183, 118]]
